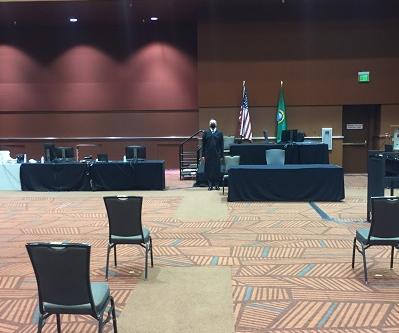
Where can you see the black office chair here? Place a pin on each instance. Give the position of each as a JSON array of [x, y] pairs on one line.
[[384, 229], [63, 279], [124, 219]]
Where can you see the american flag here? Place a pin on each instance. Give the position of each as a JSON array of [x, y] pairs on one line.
[[245, 121]]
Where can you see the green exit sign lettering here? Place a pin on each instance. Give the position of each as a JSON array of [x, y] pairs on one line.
[[363, 77]]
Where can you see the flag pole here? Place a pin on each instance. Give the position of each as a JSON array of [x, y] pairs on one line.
[[243, 92]]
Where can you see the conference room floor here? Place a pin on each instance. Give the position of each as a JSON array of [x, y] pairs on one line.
[[288, 263]]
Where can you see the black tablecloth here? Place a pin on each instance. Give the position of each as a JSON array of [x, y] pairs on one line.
[[55, 177], [296, 153], [301, 182], [140, 175]]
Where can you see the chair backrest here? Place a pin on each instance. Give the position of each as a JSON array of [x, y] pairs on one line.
[[124, 215], [227, 142], [230, 161], [384, 221], [62, 273], [275, 156]]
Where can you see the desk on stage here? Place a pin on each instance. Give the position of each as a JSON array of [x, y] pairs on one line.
[[295, 153], [295, 182], [118, 176]]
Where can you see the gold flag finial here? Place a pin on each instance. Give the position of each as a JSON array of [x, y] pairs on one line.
[[281, 83]]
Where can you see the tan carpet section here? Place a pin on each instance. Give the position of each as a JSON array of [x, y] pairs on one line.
[[186, 299], [201, 204]]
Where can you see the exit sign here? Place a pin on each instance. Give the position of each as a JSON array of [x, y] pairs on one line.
[[363, 77]]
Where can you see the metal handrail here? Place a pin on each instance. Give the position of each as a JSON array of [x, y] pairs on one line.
[[192, 136], [181, 151]]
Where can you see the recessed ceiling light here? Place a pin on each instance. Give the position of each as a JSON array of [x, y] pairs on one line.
[[154, 18], [73, 19]]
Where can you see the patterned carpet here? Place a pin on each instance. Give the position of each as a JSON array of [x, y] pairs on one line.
[[290, 261]]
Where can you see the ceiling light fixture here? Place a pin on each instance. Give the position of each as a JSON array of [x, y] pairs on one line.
[[73, 19], [154, 18]]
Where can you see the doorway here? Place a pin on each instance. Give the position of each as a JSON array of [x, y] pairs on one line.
[[359, 128]]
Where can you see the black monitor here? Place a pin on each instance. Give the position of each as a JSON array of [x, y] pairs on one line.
[[300, 137], [289, 135], [49, 152], [135, 152], [102, 157], [65, 152]]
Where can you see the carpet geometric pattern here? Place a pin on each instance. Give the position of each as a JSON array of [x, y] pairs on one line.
[[290, 262]]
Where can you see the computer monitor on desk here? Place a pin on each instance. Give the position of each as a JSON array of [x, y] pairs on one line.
[[289, 135], [65, 153], [135, 153]]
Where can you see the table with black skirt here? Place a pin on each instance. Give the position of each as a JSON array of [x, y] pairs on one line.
[[101, 176], [55, 177], [137, 175], [292, 182]]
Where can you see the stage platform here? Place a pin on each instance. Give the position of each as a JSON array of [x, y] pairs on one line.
[[292, 182]]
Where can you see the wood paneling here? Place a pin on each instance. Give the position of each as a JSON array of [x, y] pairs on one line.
[[317, 60]]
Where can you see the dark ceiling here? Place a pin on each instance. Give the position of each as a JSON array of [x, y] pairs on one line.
[[118, 12]]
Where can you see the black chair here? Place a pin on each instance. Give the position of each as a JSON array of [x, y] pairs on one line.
[[124, 219], [63, 279], [384, 229]]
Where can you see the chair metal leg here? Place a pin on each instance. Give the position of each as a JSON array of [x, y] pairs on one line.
[[392, 250], [40, 324], [364, 263], [152, 256], [107, 266], [354, 253], [115, 263], [146, 261], [58, 323], [100, 324], [113, 315]]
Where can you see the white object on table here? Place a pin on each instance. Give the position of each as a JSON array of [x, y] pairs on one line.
[[9, 177]]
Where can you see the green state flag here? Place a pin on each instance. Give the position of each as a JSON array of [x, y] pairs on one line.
[[281, 119]]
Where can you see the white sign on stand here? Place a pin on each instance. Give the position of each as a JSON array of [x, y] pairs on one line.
[[326, 137], [395, 138]]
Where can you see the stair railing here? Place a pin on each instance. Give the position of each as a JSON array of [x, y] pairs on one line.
[[182, 152]]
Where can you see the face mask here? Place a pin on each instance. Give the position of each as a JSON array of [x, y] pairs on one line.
[[213, 125]]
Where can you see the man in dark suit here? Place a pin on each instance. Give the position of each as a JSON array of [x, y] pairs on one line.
[[212, 152]]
